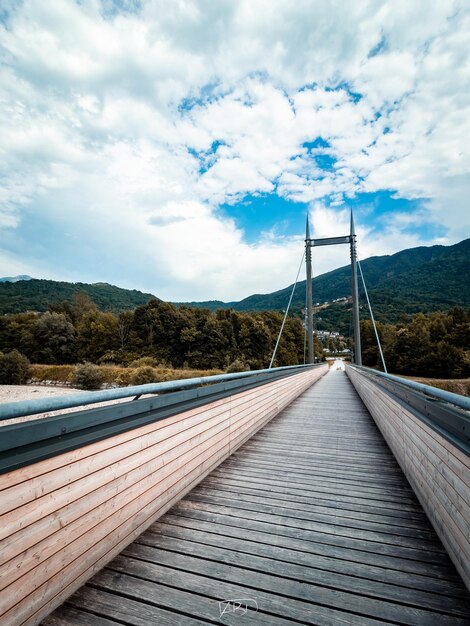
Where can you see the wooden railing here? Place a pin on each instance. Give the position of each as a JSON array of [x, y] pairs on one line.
[[428, 431], [74, 499]]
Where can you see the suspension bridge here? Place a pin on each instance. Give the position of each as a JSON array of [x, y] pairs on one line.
[[291, 495]]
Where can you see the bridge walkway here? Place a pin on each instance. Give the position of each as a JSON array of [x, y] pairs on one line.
[[311, 521]]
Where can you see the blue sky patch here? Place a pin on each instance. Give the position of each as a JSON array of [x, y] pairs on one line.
[[207, 93], [259, 214], [325, 162], [319, 142], [378, 48], [263, 213], [379, 203]]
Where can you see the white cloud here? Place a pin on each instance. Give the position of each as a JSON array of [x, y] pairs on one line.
[[109, 120]]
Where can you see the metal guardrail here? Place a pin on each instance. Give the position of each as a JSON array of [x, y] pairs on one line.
[[43, 405], [25, 442], [445, 412]]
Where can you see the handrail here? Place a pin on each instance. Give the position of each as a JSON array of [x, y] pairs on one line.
[[26, 442], [448, 396], [443, 411], [428, 432], [22, 408]]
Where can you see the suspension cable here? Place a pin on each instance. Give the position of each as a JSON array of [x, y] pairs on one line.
[[287, 311], [372, 316]]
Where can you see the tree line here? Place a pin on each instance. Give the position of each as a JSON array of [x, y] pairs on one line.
[[70, 332], [433, 344]]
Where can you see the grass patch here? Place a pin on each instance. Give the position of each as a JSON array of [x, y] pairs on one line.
[[455, 385], [114, 375], [56, 373]]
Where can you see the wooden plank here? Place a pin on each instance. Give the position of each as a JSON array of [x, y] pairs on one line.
[[267, 464], [298, 551], [127, 444], [292, 588], [130, 611], [454, 454], [70, 616], [400, 492], [149, 598], [23, 516], [259, 457], [295, 566], [65, 475], [37, 604], [210, 493], [367, 540], [345, 460], [316, 543], [415, 461], [456, 543], [52, 571], [46, 466], [79, 504], [90, 513], [331, 508], [307, 612], [338, 489]]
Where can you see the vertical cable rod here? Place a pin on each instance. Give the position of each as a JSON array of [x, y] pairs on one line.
[[372, 316], [287, 311]]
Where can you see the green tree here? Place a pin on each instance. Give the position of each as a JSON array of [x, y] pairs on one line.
[[81, 305], [14, 368], [124, 325], [254, 342], [16, 332], [53, 339], [97, 333]]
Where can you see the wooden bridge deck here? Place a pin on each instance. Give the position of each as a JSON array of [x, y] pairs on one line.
[[312, 521]]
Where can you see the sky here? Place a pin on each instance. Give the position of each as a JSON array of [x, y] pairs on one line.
[[176, 147]]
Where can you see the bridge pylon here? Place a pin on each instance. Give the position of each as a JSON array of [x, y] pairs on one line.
[[330, 241], [308, 260]]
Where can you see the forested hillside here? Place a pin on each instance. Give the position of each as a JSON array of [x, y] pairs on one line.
[[416, 280], [37, 295]]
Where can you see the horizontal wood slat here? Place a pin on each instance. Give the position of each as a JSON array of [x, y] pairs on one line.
[[437, 471], [62, 519]]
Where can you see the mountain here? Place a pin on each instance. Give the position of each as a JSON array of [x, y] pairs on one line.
[[36, 295], [14, 279], [418, 279]]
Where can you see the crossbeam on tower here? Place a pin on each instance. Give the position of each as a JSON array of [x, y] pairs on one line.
[[329, 241]]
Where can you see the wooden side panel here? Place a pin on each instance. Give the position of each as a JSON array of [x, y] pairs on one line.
[[438, 471], [64, 518]]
